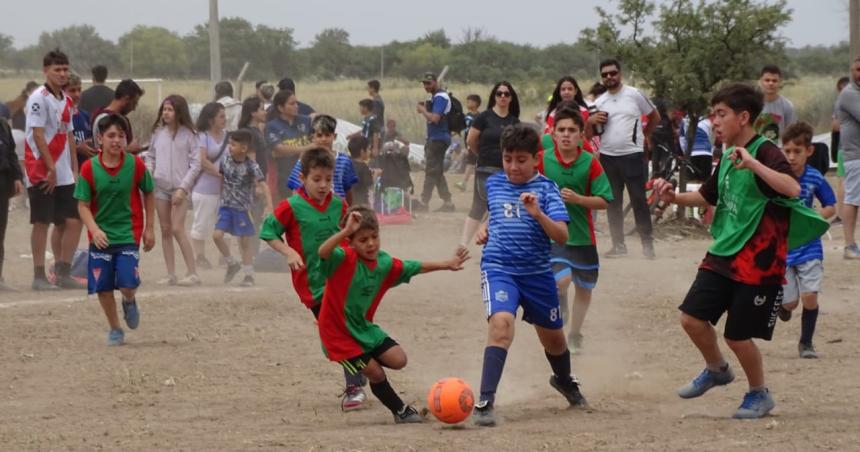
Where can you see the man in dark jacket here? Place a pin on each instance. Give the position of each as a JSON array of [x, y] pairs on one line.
[[11, 184]]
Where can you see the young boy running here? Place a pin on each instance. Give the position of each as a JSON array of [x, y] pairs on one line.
[[358, 276], [804, 270], [307, 218], [525, 212], [584, 187], [344, 174], [742, 273], [117, 205], [241, 175]]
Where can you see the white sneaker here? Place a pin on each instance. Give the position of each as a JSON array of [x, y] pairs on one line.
[[169, 280], [851, 252], [188, 281]]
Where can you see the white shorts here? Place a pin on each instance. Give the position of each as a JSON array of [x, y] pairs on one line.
[[205, 215], [852, 182], [801, 279]]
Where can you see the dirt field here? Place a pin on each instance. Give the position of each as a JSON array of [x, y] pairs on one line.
[[218, 368]]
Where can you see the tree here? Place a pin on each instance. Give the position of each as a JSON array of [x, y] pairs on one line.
[[153, 52], [6, 50], [330, 52], [697, 47], [83, 45]]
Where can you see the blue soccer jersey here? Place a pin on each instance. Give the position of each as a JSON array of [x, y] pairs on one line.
[[518, 244], [344, 176], [812, 185]]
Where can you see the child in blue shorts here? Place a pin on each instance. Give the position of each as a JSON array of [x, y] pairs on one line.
[[526, 211], [117, 205], [242, 177]]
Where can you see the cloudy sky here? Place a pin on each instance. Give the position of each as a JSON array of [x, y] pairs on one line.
[[815, 22]]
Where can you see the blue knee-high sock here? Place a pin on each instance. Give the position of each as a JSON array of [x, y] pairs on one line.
[[494, 364]]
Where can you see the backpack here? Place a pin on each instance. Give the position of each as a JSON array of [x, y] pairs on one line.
[[456, 117]]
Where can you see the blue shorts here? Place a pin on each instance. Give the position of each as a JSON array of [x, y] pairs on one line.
[[235, 222], [535, 293], [580, 263], [115, 267]]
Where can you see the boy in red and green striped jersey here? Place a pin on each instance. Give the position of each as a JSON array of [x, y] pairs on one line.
[[116, 203], [307, 218], [358, 276], [584, 187]]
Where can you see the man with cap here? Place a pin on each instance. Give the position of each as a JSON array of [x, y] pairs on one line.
[[435, 111]]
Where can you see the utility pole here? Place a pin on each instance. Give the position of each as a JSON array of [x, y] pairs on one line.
[[854, 28], [214, 44]]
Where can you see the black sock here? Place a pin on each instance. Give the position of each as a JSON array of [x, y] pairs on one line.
[[560, 365], [807, 325], [494, 364], [386, 394], [39, 272]]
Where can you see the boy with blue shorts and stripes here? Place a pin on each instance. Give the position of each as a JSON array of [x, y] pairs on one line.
[[117, 204], [242, 178], [526, 211]]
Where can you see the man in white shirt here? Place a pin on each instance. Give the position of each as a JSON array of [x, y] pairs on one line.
[[51, 174], [622, 147], [232, 107]]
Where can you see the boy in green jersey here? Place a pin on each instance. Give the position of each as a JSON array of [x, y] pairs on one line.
[[117, 205], [584, 187]]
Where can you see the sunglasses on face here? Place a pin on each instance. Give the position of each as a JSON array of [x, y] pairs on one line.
[[608, 74], [503, 94]]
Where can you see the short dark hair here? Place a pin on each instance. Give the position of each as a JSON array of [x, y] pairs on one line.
[[740, 97], [798, 133], [520, 137], [100, 73], [241, 136], [287, 84], [569, 110], [366, 103], [317, 157], [770, 69], [260, 83], [357, 145], [474, 98], [223, 89], [127, 88], [610, 62], [281, 97], [368, 219], [374, 85], [55, 57], [597, 89], [113, 119], [324, 124]]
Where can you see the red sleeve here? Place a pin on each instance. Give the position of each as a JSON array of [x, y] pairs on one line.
[[284, 214], [139, 170], [540, 162], [87, 174]]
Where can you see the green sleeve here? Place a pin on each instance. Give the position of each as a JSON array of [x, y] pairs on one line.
[[83, 192], [410, 269], [272, 229], [600, 187], [328, 266], [146, 184]]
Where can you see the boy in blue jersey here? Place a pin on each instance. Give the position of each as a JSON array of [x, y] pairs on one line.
[[526, 211], [804, 270], [323, 127]]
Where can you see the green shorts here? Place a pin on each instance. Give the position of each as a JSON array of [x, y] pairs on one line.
[[840, 164]]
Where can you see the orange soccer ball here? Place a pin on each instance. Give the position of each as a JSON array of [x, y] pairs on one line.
[[450, 400]]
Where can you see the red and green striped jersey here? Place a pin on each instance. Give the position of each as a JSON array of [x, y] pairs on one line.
[[306, 224], [116, 196], [585, 176], [354, 287]]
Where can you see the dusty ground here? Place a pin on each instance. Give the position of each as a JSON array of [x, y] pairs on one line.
[[218, 368]]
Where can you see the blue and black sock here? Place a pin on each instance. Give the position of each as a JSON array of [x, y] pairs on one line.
[[807, 325], [494, 364]]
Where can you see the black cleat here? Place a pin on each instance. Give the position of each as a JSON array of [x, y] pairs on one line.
[[570, 391], [483, 414]]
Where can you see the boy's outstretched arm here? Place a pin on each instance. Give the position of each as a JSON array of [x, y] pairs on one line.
[[666, 190], [556, 230], [455, 263], [352, 223]]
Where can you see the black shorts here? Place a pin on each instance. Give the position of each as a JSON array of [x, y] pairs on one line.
[[752, 310], [355, 365], [479, 194], [55, 207]]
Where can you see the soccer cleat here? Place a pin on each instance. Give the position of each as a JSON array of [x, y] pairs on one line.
[[232, 269], [188, 281], [116, 337], [618, 250], [42, 285], [806, 351], [574, 342], [705, 381], [483, 414], [353, 398], [248, 281], [69, 283], [570, 391], [784, 314], [446, 207], [756, 404], [851, 252], [408, 415], [130, 313], [169, 280]]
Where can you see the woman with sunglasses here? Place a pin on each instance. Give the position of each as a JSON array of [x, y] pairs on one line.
[[566, 90], [503, 109]]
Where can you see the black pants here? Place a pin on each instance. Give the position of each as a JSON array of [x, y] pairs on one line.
[[7, 190], [630, 171], [434, 173]]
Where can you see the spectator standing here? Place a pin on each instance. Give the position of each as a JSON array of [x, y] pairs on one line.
[[778, 111], [99, 95], [232, 107], [125, 100], [435, 112]]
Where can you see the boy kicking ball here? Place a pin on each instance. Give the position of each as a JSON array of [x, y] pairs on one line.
[[805, 270], [117, 205], [526, 212], [743, 270]]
